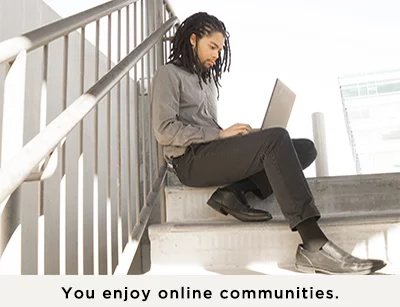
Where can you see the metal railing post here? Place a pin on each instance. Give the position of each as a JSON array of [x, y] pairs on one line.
[[150, 69], [321, 164], [159, 49]]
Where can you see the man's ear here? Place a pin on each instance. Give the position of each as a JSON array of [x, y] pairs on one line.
[[193, 40]]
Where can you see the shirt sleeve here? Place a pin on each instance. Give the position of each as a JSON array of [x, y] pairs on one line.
[[168, 129]]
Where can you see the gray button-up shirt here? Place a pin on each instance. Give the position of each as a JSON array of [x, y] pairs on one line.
[[182, 112]]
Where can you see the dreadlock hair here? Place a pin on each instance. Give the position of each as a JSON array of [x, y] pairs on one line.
[[182, 54]]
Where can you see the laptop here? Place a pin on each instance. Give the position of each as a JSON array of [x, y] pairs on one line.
[[279, 107]]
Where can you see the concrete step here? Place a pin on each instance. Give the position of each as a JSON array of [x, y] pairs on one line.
[[351, 195], [255, 270], [215, 247]]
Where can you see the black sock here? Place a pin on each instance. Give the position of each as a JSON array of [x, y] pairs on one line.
[[312, 236], [245, 185]]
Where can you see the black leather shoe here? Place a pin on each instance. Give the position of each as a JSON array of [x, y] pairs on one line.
[[331, 259], [234, 202]]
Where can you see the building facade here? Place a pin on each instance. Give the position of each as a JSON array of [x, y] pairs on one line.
[[371, 105]]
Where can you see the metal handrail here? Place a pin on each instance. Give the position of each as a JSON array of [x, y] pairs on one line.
[[169, 7], [29, 41], [18, 169], [138, 230], [9, 49]]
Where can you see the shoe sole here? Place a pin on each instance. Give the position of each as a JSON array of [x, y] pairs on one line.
[[313, 270], [218, 207]]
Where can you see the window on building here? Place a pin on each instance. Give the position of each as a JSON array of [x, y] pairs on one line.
[[388, 87]]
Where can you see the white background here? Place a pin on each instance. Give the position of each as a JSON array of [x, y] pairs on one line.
[[351, 290], [308, 44]]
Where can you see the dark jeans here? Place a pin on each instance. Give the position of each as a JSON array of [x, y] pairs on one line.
[[270, 158]]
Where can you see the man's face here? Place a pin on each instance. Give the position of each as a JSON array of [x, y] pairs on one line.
[[209, 47]]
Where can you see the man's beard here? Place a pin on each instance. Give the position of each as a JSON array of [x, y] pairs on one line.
[[204, 68]]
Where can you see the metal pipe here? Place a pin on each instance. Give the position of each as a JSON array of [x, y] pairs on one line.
[[63, 179], [128, 129], [96, 249], [81, 162], [160, 18], [136, 123], [108, 155], [143, 130], [149, 29], [321, 163], [164, 43], [43, 118], [43, 122], [29, 41], [119, 196]]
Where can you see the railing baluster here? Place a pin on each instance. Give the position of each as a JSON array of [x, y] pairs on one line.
[[50, 207], [128, 130], [136, 121], [12, 141], [102, 173], [72, 200], [161, 18], [81, 161], [169, 43], [41, 191], [97, 258], [164, 42], [119, 206], [143, 115], [63, 175], [149, 22], [87, 207], [108, 175]]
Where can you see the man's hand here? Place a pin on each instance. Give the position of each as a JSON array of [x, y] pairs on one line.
[[236, 129]]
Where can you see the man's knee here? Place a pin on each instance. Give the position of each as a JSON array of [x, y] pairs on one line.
[[306, 151], [312, 150], [272, 138], [276, 134]]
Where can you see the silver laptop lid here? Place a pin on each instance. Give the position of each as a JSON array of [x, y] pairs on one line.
[[280, 106]]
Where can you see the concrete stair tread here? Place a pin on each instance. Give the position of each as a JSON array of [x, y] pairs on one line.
[[267, 245], [361, 218]]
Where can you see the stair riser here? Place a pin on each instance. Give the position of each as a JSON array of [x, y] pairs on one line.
[[333, 195], [269, 245]]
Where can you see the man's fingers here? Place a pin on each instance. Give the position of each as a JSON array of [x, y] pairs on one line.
[[245, 130], [239, 129]]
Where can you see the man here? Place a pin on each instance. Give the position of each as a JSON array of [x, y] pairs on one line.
[[184, 96]]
